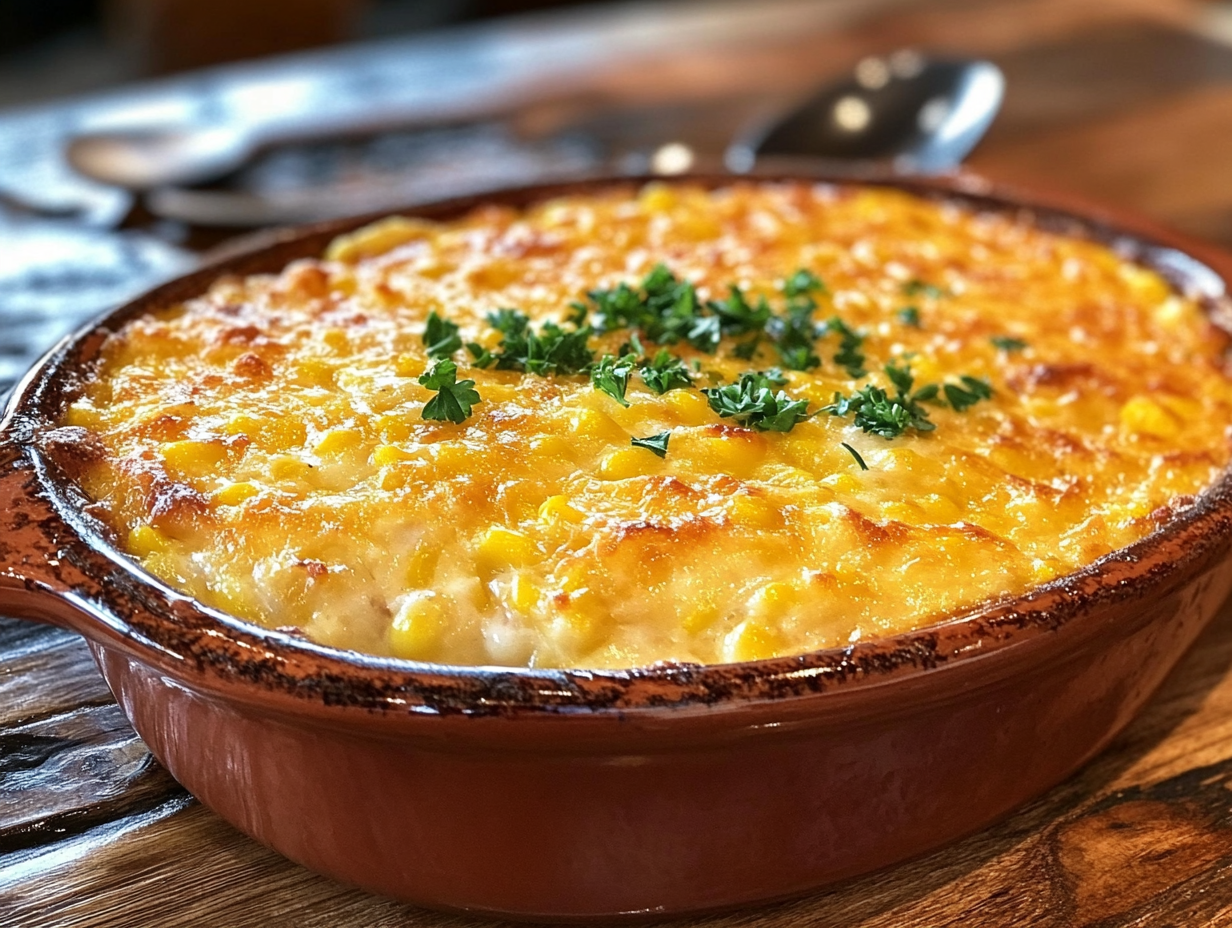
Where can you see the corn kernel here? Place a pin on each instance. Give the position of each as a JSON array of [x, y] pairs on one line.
[[421, 567], [502, 547], [378, 238], [407, 365], [393, 427], [755, 512], [523, 593], [315, 372], [628, 462], [557, 507], [83, 414], [385, 455], [590, 423], [657, 198], [193, 457], [235, 493], [284, 467], [144, 540], [751, 641], [336, 441], [1143, 416], [939, 509], [551, 447], [841, 483], [700, 617], [337, 339], [689, 407], [733, 456], [418, 627]]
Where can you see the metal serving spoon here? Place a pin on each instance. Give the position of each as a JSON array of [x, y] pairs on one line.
[[923, 115]]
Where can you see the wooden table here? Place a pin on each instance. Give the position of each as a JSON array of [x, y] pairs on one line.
[[1128, 101]]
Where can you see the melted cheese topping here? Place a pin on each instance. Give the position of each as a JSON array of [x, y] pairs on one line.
[[263, 447]]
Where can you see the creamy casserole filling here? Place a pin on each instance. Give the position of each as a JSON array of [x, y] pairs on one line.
[[902, 409]]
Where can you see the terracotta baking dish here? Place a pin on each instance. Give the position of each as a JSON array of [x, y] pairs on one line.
[[575, 794]]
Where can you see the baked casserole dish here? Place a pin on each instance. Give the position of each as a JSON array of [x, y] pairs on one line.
[[616, 548]]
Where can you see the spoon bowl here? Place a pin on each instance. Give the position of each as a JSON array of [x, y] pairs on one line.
[[918, 114]]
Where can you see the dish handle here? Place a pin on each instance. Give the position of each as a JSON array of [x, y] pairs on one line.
[[37, 556]]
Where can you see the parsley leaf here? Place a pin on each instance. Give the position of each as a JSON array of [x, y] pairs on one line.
[[878, 413], [665, 372], [849, 355], [657, 444], [909, 315], [611, 375], [455, 398], [973, 390], [801, 283], [751, 401], [551, 350], [737, 316], [855, 454], [441, 336], [1008, 343], [918, 287], [746, 349]]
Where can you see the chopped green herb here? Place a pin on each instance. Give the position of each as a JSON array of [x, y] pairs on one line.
[[611, 375], [737, 316], [751, 401], [1008, 343], [855, 454], [878, 413], [656, 444], [665, 372], [920, 288], [441, 337], [746, 349], [509, 322], [482, 357], [633, 346], [801, 283], [909, 315], [577, 314], [454, 399], [849, 355], [551, 350], [973, 390]]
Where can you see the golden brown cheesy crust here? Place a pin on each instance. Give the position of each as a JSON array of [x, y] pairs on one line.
[[263, 446]]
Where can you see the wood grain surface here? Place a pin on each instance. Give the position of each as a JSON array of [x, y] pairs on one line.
[[1126, 101]]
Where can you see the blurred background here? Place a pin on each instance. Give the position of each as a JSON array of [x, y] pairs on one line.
[[58, 47], [334, 107]]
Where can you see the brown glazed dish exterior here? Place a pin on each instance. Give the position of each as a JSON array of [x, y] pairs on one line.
[[574, 794]]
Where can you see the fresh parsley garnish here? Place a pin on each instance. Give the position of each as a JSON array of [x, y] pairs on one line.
[[441, 336], [551, 350], [610, 375], [855, 454], [849, 356], [738, 316], [909, 315], [1008, 343], [665, 372], [973, 390], [656, 444], [801, 284], [454, 399], [752, 401], [746, 349], [877, 412], [664, 307], [921, 288]]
